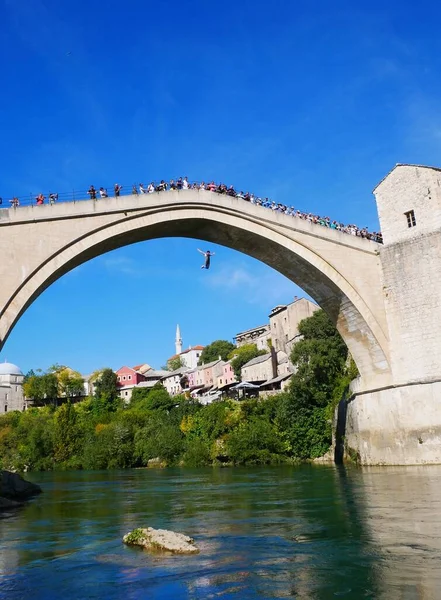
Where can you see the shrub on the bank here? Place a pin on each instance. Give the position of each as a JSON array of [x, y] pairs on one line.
[[255, 442], [165, 441], [197, 454]]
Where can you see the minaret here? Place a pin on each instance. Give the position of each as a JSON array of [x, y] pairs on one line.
[[178, 340]]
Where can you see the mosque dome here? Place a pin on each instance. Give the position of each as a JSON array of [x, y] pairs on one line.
[[9, 369]]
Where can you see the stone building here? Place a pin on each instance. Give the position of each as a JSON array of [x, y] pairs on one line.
[[284, 323], [283, 328], [257, 335], [173, 381], [259, 369], [11, 388], [267, 367]]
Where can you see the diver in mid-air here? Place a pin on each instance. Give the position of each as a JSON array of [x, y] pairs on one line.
[[208, 256]]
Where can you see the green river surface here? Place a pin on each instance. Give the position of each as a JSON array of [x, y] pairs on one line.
[[309, 532]]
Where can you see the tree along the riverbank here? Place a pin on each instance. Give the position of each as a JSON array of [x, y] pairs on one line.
[[100, 433]]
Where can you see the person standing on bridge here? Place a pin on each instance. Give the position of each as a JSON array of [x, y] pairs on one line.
[[53, 198], [40, 199], [92, 192], [103, 192], [208, 256], [117, 189]]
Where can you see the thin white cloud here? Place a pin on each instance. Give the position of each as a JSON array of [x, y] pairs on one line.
[[263, 287]]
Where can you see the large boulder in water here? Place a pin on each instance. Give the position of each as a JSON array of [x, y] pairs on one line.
[[161, 540], [6, 504], [14, 487]]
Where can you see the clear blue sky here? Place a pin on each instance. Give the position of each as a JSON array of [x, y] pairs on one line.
[[309, 102]]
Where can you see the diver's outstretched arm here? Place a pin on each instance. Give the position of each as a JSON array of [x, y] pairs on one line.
[[201, 252]]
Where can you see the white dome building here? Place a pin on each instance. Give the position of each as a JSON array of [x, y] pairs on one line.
[[11, 388]]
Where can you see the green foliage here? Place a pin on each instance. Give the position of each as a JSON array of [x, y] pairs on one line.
[[155, 398], [209, 423], [58, 382], [240, 356], [105, 404], [159, 439], [70, 383], [106, 398], [99, 433], [255, 442], [197, 454], [304, 413], [212, 352], [137, 536], [42, 389], [174, 363], [67, 434], [29, 374], [26, 440], [106, 384]]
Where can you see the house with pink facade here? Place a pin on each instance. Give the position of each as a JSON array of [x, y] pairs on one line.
[[191, 378], [227, 377], [206, 376], [126, 379], [212, 371]]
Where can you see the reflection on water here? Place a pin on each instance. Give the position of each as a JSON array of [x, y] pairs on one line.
[[309, 532], [402, 518]]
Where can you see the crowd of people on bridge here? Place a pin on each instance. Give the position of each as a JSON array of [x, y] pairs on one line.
[[182, 183]]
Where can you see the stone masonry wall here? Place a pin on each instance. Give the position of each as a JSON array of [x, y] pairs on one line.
[[412, 290], [411, 271]]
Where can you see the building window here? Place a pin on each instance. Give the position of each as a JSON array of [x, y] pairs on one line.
[[124, 377], [410, 216], [119, 378], [126, 393], [6, 408], [129, 377], [198, 354]]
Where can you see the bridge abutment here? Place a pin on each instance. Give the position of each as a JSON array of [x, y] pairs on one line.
[[395, 426], [400, 424]]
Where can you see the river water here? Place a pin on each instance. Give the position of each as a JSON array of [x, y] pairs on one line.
[[307, 532]]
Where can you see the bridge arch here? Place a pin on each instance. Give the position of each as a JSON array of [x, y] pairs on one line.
[[339, 272]]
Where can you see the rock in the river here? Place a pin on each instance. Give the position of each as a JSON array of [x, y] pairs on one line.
[[14, 487], [161, 540], [6, 504]]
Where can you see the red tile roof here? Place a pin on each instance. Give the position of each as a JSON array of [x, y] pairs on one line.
[[193, 348]]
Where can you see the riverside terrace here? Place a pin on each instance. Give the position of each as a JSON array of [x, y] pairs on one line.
[[182, 183]]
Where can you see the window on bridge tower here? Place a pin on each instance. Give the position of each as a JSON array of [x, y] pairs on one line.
[[410, 216]]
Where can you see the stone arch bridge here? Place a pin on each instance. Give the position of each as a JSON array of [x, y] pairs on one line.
[[384, 299], [39, 244]]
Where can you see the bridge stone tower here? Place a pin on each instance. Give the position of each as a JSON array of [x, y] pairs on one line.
[[401, 423]]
